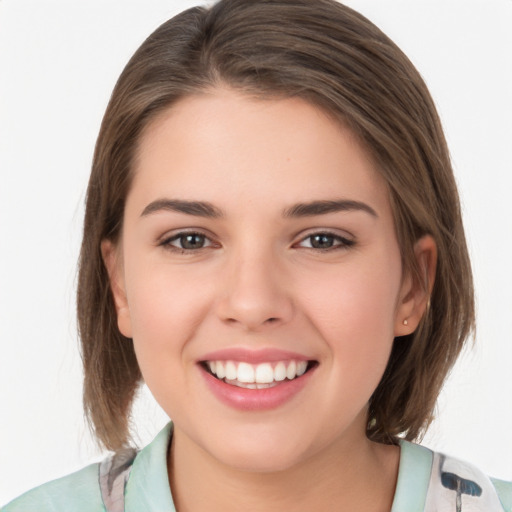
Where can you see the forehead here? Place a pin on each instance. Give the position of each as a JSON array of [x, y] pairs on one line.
[[225, 144]]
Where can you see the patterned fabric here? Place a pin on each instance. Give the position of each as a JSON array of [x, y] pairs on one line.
[[113, 475], [452, 483], [457, 486], [138, 482]]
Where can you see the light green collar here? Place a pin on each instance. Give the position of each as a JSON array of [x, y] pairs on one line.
[[148, 485], [413, 478]]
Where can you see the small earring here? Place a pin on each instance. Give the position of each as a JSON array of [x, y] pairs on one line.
[[405, 322]]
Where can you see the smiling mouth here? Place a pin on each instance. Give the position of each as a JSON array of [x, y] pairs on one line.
[[257, 376]]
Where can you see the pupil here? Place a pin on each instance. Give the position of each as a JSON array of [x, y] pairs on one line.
[[322, 241], [192, 241]]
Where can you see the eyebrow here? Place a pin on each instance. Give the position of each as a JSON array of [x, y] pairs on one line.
[[323, 207], [208, 210], [196, 208]]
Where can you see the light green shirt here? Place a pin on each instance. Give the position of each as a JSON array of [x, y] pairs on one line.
[[427, 481]]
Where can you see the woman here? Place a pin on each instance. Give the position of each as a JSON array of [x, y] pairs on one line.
[[323, 234]]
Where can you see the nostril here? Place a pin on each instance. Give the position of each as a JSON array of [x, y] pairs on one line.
[[271, 320]]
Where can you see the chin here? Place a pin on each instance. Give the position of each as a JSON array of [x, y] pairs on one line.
[[266, 452]]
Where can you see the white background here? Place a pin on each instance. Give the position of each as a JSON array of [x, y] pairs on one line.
[[58, 63]]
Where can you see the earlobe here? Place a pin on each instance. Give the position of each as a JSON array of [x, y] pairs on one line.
[[416, 290], [114, 267]]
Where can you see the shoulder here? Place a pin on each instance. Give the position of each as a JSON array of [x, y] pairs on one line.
[[504, 490], [77, 492], [104, 486], [453, 482]]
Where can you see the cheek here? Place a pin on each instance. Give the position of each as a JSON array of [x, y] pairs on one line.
[[354, 312], [163, 299], [354, 302], [166, 307], [163, 323]]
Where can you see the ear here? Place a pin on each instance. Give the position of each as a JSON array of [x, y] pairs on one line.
[[415, 293], [114, 266]]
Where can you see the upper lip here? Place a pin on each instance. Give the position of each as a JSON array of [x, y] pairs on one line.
[[253, 356]]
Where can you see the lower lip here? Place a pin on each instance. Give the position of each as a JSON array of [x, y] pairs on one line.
[[256, 399]]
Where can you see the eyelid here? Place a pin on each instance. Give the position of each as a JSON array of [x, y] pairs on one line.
[[345, 240], [166, 239]]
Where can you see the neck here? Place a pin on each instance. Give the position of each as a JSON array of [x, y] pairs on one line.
[[345, 476]]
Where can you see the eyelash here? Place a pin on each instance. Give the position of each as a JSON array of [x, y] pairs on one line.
[[181, 236], [339, 242]]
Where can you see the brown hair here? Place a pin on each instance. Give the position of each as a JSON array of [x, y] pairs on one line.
[[333, 57]]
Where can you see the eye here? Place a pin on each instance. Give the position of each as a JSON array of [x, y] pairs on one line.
[[325, 241], [187, 241]]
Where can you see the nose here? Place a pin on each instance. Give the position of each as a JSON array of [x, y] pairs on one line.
[[255, 293]]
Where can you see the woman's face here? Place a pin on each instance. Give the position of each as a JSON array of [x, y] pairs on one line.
[[260, 278]]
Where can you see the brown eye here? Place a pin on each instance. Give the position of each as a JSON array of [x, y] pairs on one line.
[[322, 241], [187, 242], [325, 241], [192, 241]]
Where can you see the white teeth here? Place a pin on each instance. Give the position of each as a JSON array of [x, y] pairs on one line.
[[301, 368], [245, 373], [280, 372], [220, 370], [264, 374], [231, 372], [258, 376], [291, 371]]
